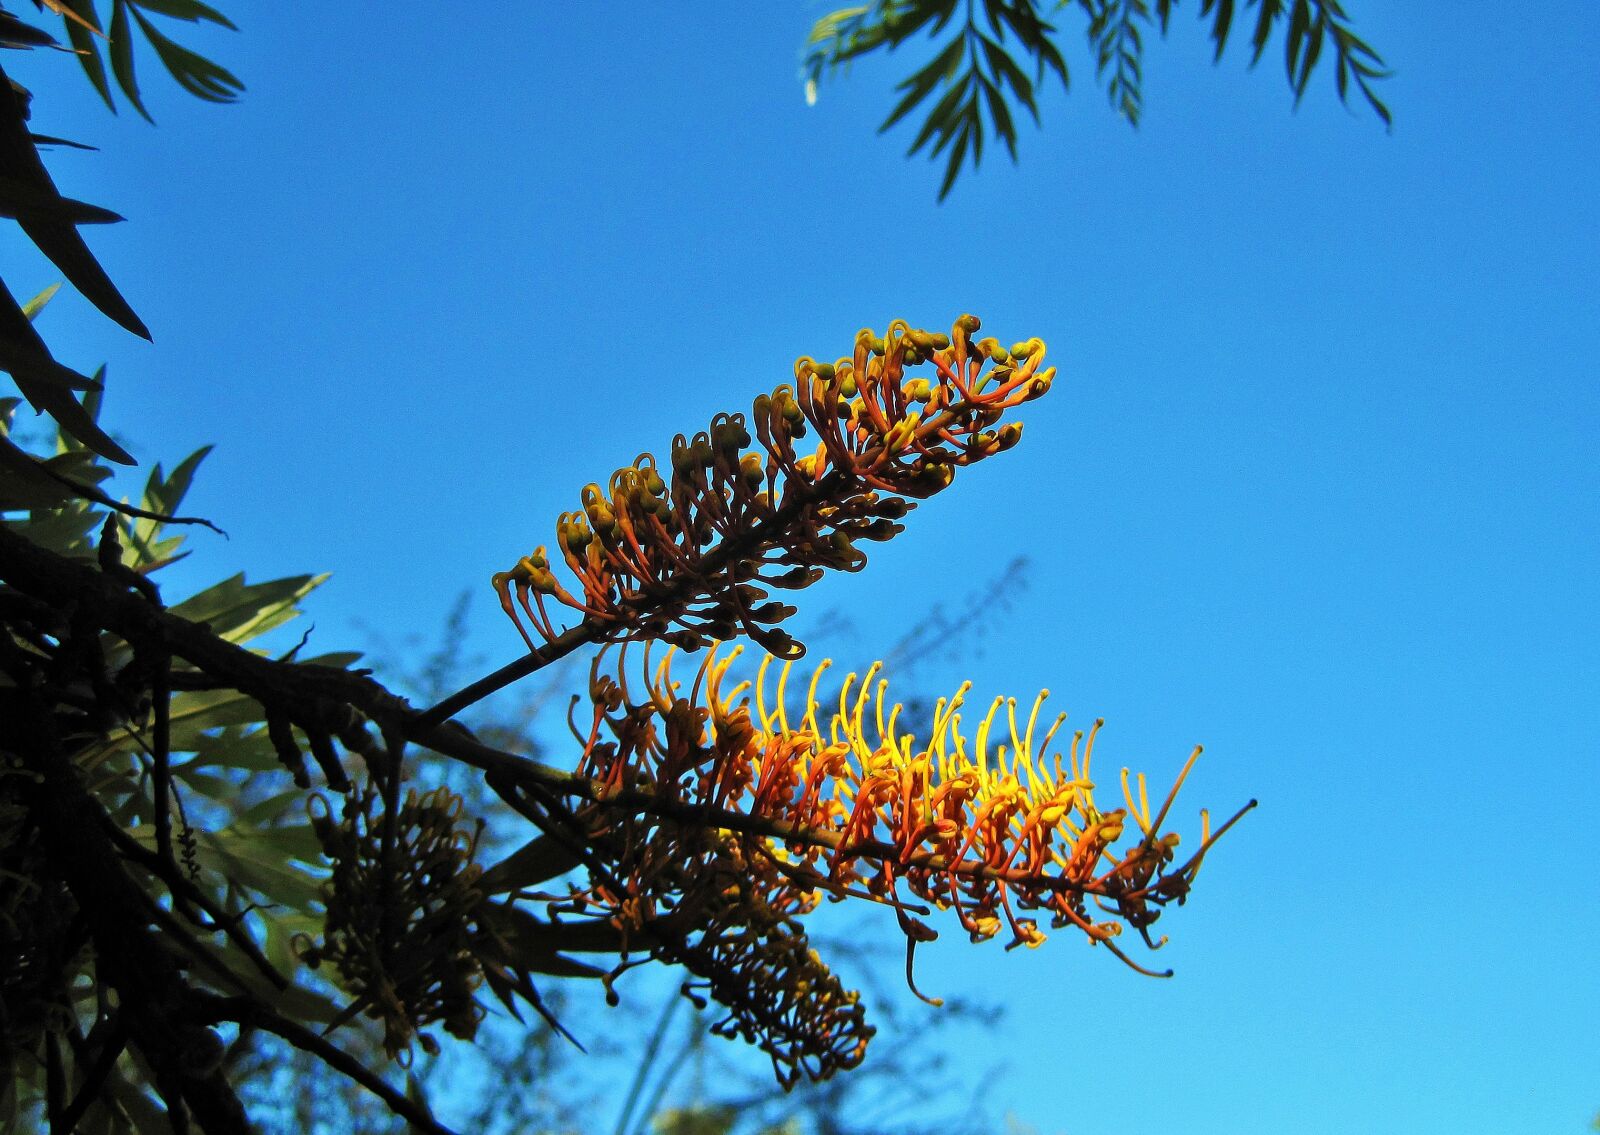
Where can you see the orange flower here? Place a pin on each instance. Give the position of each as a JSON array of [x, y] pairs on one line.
[[691, 555], [845, 802]]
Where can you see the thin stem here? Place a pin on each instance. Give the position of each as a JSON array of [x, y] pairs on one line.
[[557, 648], [652, 1050], [731, 549], [341, 1061]]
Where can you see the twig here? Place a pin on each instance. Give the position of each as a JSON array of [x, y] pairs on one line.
[[732, 549], [337, 1059], [94, 1078]]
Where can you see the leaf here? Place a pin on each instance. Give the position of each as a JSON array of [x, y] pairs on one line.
[[1006, 70], [29, 200], [1270, 11], [194, 73], [176, 487], [233, 748], [162, 494], [237, 857], [1003, 126], [46, 384], [87, 49], [52, 140], [196, 712], [30, 194], [190, 10], [938, 118], [121, 38], [336, 659], [524, 932], [23, 483], [1299, 22], [539, 860], [15, 33], [1219, 30], [33, 307], [922, 82], [240, 611], [1313, 51], [953, 168]]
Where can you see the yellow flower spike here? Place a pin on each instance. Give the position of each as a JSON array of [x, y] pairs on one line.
[[1033, 719], [738, 691], [716, 669], [1205, 845], [1050, 735], [937, 732], [838, 729], [958, 748], [761, 693], [810, 723], [1004, 838], [854, 730], [884, 733], [1177, 784], [783, 708], [980, 744], [1088, 750], [1140, 811], [1022, 749]]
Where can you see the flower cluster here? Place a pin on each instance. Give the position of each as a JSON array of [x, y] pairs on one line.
[[709, 901], [401, 912], [689, 554], [999, 831]]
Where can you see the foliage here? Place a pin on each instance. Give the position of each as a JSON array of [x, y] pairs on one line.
[[87, 33], [978, 77], [179, 882]]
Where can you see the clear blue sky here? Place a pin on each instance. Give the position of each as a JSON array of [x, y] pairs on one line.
[[1317, 486]]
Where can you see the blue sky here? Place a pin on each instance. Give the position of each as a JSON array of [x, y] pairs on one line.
[[1316, 486]]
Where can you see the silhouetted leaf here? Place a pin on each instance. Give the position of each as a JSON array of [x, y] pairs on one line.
[[190, 10], [541, 859], [194, 73], [121, 38]]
